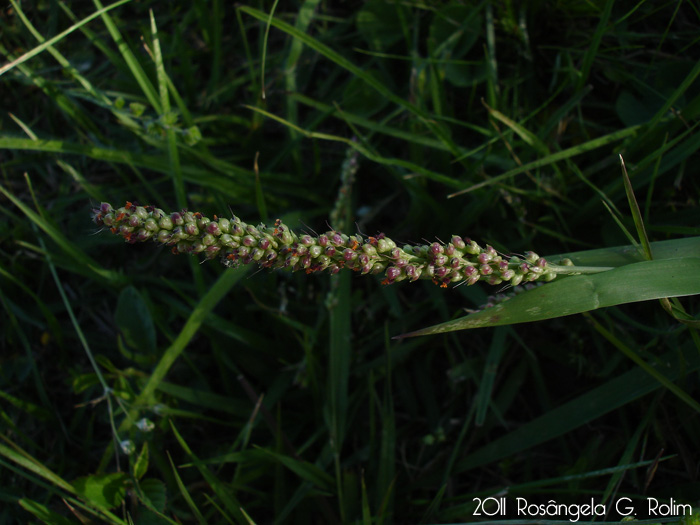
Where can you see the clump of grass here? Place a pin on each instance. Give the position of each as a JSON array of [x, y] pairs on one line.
[[138, 388]]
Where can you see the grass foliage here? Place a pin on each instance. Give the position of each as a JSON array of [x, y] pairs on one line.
[[141, 387]]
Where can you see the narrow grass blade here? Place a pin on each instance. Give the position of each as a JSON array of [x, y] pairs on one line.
[[636, 214], [48, 43], [223, 493], [592, 49], [22, 458], [642, 281], [555, 157], [303, 469], [259, 193], [602, 400], [85, 263], [361, 149], [649, 369], [163, 91], [185, 493], [43, 513], [673, 98], [228, 279], [131, 60], [386, 467], [63, 61], [303, 20], [528, 136], [341, 61], [488, 377], [336, 408], [201, 176], [373, 126]]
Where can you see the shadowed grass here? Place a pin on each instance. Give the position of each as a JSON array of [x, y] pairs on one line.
[[279, 397]]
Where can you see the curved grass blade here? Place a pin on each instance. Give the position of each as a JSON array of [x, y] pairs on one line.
[[86, 264], [48, 43], [554, 157], [636, 282], [636, 214], [343, 62], [602, 400]]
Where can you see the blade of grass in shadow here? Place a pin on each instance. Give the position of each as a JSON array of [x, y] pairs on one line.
[[104, 516], [623, 228], [228, 279], [131, 61], [592, 48], [224, 494], [341, 61], [386, 465], [449, 469], [671, 100], [48, 43], [373, 126], [636, 214], [74, 112], [47, 412], [488, 377], [303, 469], [259, 193], [165, 113], [555, 157], [25, 460], [642, 281], [43, 513], [63, 61], [649, 369], [303, 20], [602, 400], [336, 408], [628, 453], [185, 493], [84, 261], [225, 184], [362, 150], [528, 136], [264, 48]]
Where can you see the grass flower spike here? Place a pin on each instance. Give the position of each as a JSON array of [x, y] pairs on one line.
[[461, 261]]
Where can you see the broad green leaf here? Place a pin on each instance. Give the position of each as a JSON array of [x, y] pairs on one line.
[[636, 282], [105, 490], [154, 490]]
